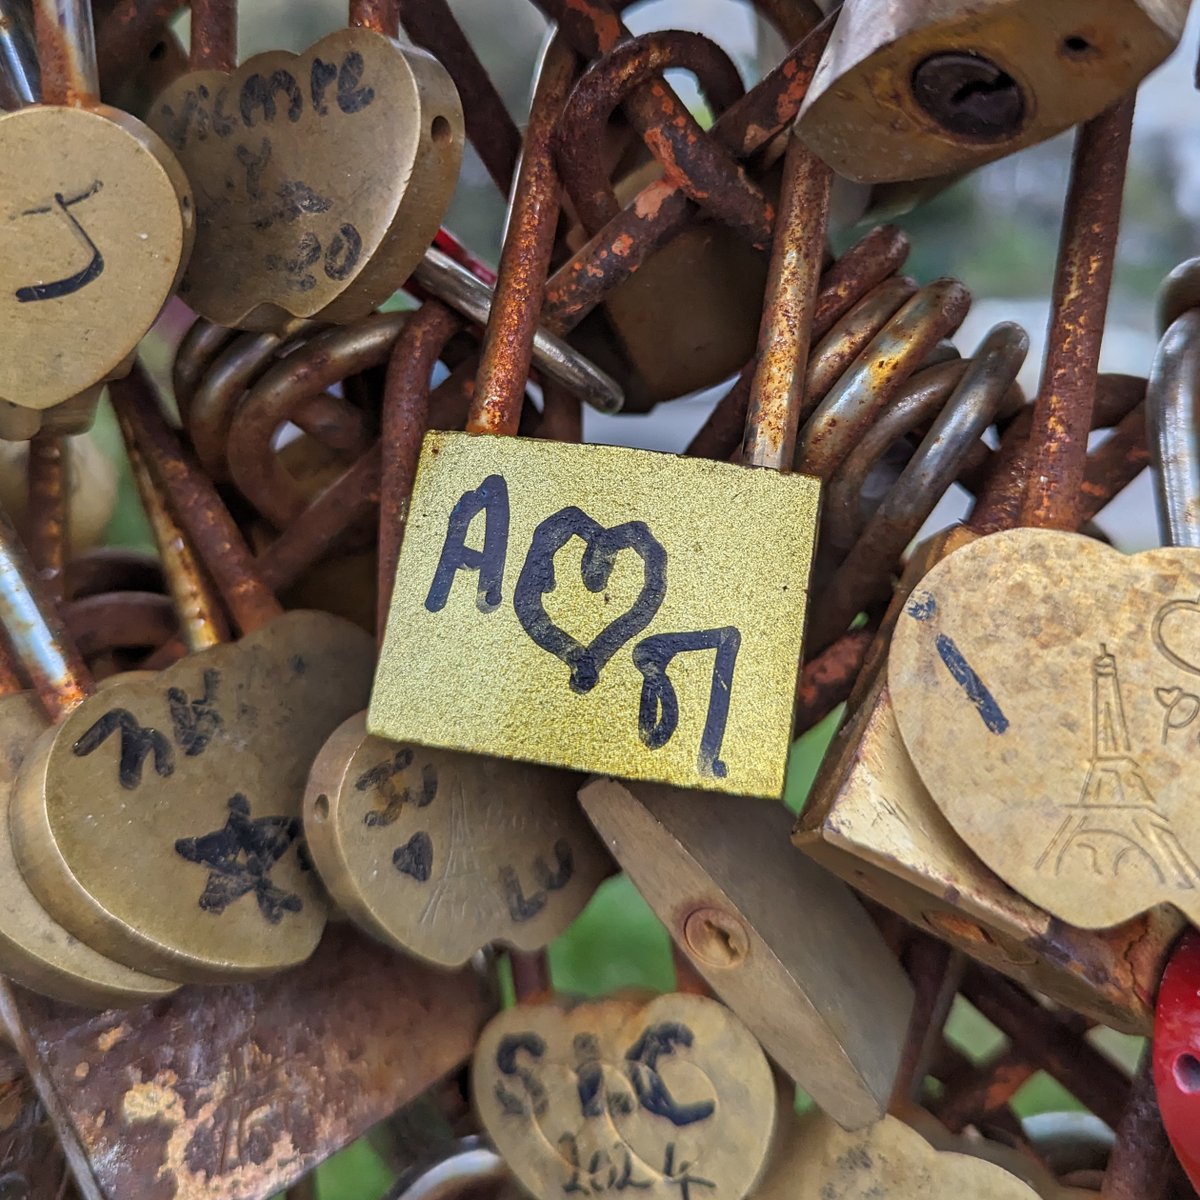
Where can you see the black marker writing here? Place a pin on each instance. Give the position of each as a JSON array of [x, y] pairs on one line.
[[259, 92], [239, 857], [508, 1055], [491, 499], [55, 289], [524, 908], [254, 165], [197, 721], [415, 857], [657, 1042], [599, 556], [658, 710], [976, 690], [137, 743]]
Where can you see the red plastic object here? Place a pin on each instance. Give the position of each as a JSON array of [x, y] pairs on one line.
[[447, 243], [1177, 1053]]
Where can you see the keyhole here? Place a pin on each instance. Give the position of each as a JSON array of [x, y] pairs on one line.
[[1187, 1073], [969, 96], [716, 937]]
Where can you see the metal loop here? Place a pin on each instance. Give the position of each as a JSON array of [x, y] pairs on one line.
[[1171, 414], [195, 354]]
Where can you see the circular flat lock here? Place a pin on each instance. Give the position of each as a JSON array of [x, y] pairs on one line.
[[160, 821], [35, 950], [667, 1094], [320, 178], [441, 853], [96, 224]]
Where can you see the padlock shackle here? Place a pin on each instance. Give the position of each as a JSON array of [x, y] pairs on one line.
[[785, 334], [525, 259], [213, 45], [20, 79], [1172, 411], [202, 623], [66, 46], [40, 645]]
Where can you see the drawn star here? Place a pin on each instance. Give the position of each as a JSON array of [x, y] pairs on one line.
[[240, 856]]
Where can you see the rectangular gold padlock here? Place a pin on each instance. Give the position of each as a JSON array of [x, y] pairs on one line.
[[908, 89], [616, 611], [871, 820]]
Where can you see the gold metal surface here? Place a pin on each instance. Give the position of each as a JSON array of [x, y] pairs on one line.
[[159, 822], [96, 224], [34, 949], [785, 944], [888, 1159], [667, 651], [1064, 675], [441, 853], [655, 1092], [871, 820], [1070, 60], [320, 178]]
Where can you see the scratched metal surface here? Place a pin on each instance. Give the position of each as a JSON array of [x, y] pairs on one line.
[[236, 1092]]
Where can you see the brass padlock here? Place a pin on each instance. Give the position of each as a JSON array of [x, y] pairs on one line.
[[906, 91], [97, 227], [599, 688], [323, 176]]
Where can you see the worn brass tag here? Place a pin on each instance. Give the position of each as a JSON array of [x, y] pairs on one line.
[[888, 1159], [609, 610], [34, 949], [95, 229], [160, 821], [1046, 688], [441, 853], [670, 1095], [320, 178]]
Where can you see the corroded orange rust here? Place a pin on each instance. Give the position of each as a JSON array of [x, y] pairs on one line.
[[696, 164], [130, 32], [196, 505], [520, 286], [214, 35], [777, 392], [826, 680], [238, 1091], [405, 419], [46, 514], [1082, 280], [383, 16], [660, 211], [65, 77]]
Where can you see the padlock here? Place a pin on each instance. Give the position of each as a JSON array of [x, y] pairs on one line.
[[632, 1090], [561, 688], [889, 1158], [323, 176], [1177, 1052], [98, 221], [291, 1068], [823, 994], [221, 741], [35, 950], [434, 851], [907, 91], [468, 1169]]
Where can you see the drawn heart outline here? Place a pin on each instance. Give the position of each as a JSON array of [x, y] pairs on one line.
[[1043, 714], [662, 1088], [324, 175], [602, 545]]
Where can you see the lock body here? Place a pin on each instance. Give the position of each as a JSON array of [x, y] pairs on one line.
[[910, 90], [872, 821]]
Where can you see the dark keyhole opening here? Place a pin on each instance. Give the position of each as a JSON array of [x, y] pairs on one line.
[[1187, 1073]]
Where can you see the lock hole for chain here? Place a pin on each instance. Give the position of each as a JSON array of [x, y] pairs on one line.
[[440, 131], [1187, 1072], [716, 938], [1077, 46], [321, 807]]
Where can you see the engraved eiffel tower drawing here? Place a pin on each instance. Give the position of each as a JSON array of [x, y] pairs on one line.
[[1116, 823]]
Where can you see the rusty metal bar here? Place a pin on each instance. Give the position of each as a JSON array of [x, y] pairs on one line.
[[66, 46], [661, 209], [382, 16], [1083, 277], [1140, 1166], [196, 505], [520, 286], [492, 131], [46, 517], [405, 418], [36, 635], [201, 622], [777, 391], [826, 681], [214, 35]]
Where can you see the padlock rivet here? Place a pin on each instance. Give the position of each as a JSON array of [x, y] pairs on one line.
[[716, 937]]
